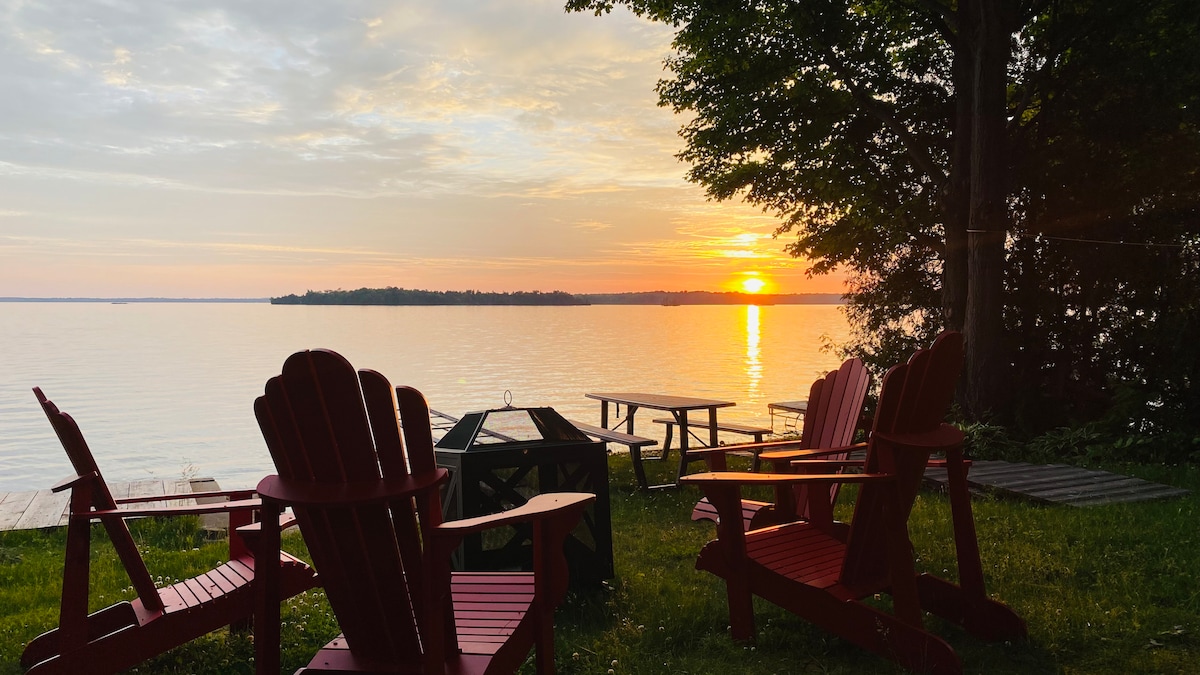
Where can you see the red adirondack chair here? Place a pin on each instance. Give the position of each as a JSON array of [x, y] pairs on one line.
[[367, 496], [835, 403], [127, 633], [805, 569]]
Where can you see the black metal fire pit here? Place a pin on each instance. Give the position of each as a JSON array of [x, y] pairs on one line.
[[500, 458]]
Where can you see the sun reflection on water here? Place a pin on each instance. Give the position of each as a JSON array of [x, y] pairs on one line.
[[753, 362]]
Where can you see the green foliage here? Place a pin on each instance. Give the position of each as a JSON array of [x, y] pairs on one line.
[[840, 118], [1088, 444], [1108, 153]]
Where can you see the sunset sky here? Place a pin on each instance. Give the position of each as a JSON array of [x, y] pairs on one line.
[[248, 149]]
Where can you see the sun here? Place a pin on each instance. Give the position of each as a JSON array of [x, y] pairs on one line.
[[753, 285]]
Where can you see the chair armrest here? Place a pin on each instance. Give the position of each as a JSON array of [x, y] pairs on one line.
[[745, 478], [807, 452], [539, 507], [71, 481], [306, 493], [286, 520], [187, 510], [756, 448], [233, 495], [827, 463]]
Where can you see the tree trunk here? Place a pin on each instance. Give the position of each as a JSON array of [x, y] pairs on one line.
[[983, 325]]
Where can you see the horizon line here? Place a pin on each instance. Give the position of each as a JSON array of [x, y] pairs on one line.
[[16, 298]]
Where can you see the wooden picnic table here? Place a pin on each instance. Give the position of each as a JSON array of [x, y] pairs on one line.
[[678, 406]]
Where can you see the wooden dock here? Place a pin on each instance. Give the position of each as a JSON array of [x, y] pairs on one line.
[[1059, 483], [43, 508], [39, 509]]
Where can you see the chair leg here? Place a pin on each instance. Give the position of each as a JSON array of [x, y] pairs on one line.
[[741, 608], [544, 651], [979, 615], [72, 618]]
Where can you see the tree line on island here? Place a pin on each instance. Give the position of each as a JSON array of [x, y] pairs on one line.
[[405, 296]]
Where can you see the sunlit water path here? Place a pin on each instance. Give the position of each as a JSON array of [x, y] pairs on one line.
[[164, 389]]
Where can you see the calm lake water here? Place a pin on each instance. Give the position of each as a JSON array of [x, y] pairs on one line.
[[164, 389]]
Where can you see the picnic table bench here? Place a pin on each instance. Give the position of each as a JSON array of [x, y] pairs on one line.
[[634, 443], [756, 432]]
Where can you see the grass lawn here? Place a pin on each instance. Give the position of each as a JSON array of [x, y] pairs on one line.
[[1112, 589]]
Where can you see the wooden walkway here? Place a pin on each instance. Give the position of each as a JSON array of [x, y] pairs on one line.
[[1059, 483], [43, 508]]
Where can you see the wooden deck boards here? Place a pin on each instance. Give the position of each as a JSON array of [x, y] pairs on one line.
[[1059, 483], [43, 508]]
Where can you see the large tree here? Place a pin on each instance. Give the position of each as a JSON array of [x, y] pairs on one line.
[[930, 147]]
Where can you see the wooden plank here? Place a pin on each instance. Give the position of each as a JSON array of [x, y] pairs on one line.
[[993, 468], [1060, 483], [1030, 481], [147, 487], [181, 486], [118, 490], [46, 510], [39, 509], [612, 435], [1126, 486], [1109, 483], [198, 588], [1158, 492], [991, 473], [210, 521], [218, 584], [12, 507]]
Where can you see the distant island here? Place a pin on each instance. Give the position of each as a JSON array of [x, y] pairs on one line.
[[404, 296]]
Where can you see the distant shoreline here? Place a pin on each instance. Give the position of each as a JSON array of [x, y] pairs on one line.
[[472, 298], [393, 296]]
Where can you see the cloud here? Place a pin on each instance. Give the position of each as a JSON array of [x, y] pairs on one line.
[[362, 132]]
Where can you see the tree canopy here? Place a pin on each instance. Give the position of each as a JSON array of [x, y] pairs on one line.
[[1026, 171]]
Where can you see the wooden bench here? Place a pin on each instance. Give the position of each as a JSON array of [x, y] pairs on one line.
[[756, 432], [634, 443]]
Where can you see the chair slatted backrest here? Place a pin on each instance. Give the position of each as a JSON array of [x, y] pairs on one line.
[[914, 398], [835, 404], [84, 464], [315, 421]]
